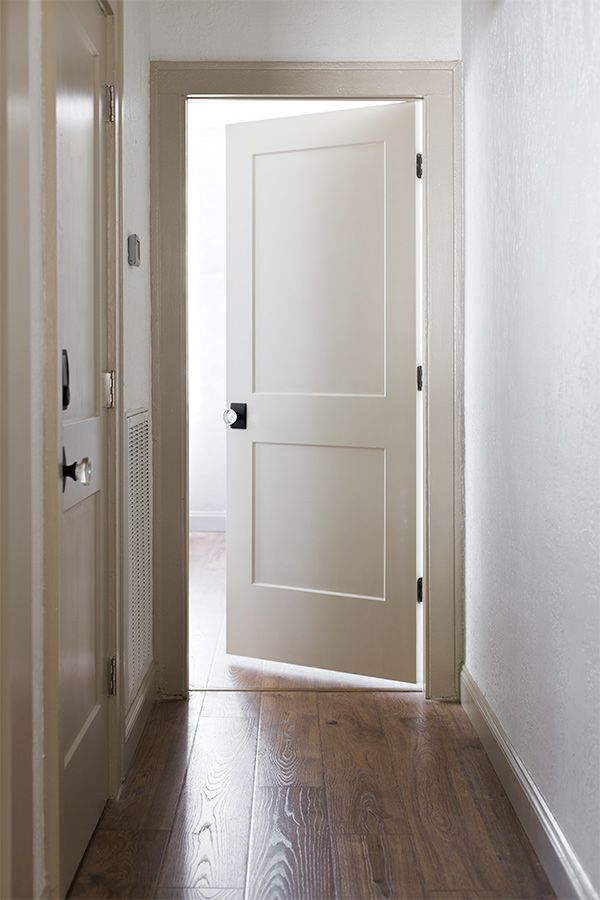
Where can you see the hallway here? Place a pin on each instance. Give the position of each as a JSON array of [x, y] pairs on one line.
[[324, 274], [278, 782], [310, 795]]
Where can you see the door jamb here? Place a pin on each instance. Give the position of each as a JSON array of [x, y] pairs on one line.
[[113, 10], [439, 85], [21, 682]]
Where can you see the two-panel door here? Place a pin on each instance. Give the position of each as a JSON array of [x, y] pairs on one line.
[[321, 347], [81, 278]]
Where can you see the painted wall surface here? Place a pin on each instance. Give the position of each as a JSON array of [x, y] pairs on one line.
[[317, 30], [532, 83], [136, 204]]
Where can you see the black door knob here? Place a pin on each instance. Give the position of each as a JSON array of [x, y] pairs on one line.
[[235, 416]]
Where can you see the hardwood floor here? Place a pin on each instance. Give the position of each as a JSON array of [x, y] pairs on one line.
[[281, 795], [292, 786]]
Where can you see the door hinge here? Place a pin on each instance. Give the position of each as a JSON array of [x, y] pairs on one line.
[[419, 378], [110, 389], [419, 590], [112, 675], [419, 165], [110, 102]]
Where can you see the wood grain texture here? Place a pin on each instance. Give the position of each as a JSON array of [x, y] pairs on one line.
[[376, 867], [362, 793], [289, 744], [421, 765], [479, 781], [405, 704], [231, 704], [456, 723], [466, 748], [149, 796], [462, 895], [523, 875], [209, 841], [120, 864], [290, 851], [443, 814], [359, 794], [406, 774], [198, 894]]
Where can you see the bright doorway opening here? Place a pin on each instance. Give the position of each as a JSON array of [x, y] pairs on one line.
[[210, 667]]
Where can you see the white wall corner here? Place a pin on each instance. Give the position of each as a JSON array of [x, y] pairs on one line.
[[555, 853], [203, 520]]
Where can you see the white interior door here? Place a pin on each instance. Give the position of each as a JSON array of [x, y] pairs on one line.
[[321, 346], [81, 35]]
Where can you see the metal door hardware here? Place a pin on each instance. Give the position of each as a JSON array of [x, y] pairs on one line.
[[112, 675], [133, 250], [110, 389], [66, 380], [78, 471], [235, 416]]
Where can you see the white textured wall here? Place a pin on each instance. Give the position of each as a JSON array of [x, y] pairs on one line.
[[305, 29], [136, 203], [532, 82]]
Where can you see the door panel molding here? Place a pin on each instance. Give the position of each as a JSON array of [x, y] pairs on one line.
[[322, 213], [439, 85]]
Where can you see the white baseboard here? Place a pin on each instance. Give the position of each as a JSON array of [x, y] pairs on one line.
[[207, 521], [555, 853]]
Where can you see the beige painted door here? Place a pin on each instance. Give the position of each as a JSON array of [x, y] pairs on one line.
[[81, 66], [321, 345]]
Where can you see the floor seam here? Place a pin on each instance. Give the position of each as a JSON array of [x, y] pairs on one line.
[[183, 781], [254, 787], [332, 856]]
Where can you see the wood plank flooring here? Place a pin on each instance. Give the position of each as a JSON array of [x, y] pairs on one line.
[[301, 785], [299, 795]]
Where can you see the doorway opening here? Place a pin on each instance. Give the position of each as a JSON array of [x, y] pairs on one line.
[[210, 666]]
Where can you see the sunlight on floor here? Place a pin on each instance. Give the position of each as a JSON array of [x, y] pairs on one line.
[[212, 668]]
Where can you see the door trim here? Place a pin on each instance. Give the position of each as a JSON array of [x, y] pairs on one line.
[[20, 407], [52, 428], [439, 85]]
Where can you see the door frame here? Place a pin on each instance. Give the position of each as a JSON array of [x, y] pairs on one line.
[[20, 448], [439, 85], [113, 10]]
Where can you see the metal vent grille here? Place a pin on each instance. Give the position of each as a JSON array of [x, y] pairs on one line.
[[139, 540]]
